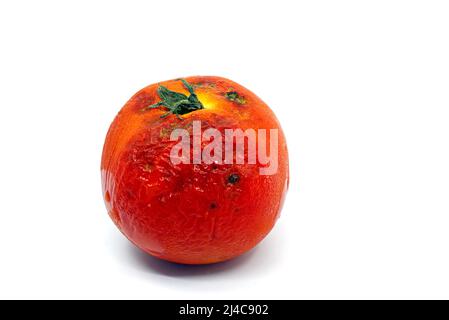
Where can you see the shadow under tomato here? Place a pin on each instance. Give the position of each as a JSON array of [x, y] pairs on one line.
[[264, 258], [171, 269]]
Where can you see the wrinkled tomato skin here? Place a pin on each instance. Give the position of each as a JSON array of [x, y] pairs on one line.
[[190, 213]]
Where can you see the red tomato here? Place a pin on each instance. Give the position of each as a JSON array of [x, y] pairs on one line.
[[183, 212]]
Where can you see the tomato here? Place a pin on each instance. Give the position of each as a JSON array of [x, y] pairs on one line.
[[185, 212]]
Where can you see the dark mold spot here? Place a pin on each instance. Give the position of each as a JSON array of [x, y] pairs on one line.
[[233, 178], [213, 205]]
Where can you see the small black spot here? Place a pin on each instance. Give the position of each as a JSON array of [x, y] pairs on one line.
[[213, 205], [233, 178]]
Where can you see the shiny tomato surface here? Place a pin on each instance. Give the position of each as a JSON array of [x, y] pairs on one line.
[[190, 213]]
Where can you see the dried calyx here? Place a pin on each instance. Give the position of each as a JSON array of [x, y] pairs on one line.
[[177, 103]]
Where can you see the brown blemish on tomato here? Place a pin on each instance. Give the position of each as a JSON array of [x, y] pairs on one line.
[[113, 213], [235, 97]]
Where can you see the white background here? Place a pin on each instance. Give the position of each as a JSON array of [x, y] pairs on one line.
[[360, 87]]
